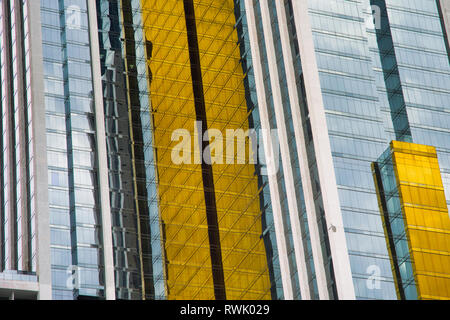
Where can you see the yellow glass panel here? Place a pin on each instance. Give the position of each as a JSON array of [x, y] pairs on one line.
[[237, 195], [181, 194], [426, 218], [181, 197]]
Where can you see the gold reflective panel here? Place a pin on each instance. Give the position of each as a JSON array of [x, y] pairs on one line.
[[425, 216], [181, 186], [239, 214], [181, 197]]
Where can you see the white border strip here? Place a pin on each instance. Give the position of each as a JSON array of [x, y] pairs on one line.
[[42, 219], [110, 292]]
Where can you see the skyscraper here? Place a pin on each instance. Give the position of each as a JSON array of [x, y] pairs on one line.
[[224, 149], [210, 213]]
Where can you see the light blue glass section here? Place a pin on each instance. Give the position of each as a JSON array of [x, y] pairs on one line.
[[424, 71], [357, 130], [76, 244]]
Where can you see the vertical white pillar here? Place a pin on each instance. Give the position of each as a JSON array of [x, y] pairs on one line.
[[40, 153], [102, 159]]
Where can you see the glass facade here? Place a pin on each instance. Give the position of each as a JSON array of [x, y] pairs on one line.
[[129, 145], [133, 115], [210, 215], [356, 131], [364, 54], [424, 70], [75, 221]]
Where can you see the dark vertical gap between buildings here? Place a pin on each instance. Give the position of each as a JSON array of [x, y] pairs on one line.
[[207, 172]]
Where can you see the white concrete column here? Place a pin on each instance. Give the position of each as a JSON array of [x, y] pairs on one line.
[[42, 220], [102, 159]]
